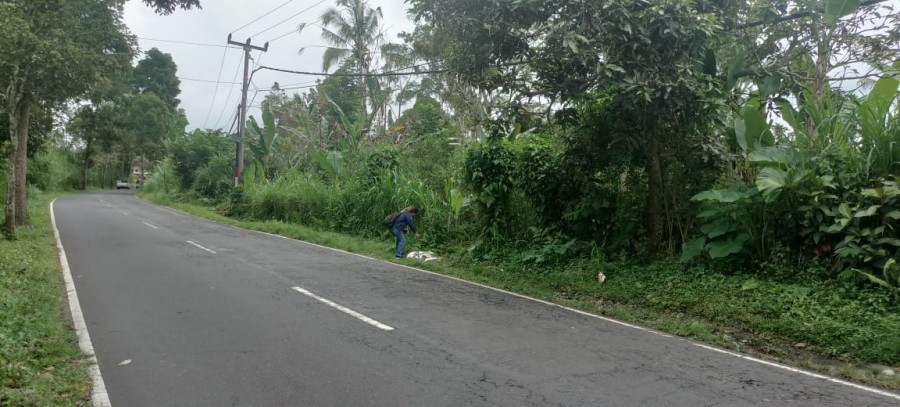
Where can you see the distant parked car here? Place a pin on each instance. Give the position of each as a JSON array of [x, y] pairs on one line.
[[122, 185]]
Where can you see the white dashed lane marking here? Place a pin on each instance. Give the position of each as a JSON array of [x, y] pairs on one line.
[[346, 310]]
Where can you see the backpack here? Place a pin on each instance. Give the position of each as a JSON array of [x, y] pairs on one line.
[[390, 220]]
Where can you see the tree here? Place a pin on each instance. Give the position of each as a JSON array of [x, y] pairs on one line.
[[157, 74], [787, 46], [51, 51], [652, 58], [341, 90], [354, 30], [148, 121], [95, 125], [165, 7]]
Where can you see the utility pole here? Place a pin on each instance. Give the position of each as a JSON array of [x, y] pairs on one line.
[[242, 123]]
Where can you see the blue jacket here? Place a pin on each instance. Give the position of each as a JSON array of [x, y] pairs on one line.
[[404, 220]]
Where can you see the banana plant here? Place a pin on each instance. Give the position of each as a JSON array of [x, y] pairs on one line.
[[877, 127], [454, 198], [332, 162], [263, 140]]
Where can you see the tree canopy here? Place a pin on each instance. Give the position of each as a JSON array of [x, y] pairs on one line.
[[156, 73], [168, 6]]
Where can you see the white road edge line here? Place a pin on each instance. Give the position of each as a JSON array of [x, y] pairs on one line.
[[195, 244], [346, 310], [123, 212], [577, 311], [154, 227], [99, 396], [795, 370]]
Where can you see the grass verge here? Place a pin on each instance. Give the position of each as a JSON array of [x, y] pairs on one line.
[[814, 326], [40, 363]]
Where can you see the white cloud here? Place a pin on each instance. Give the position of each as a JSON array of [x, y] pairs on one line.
[[212, 24]]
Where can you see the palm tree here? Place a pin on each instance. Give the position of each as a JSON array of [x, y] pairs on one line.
[[354, 31]]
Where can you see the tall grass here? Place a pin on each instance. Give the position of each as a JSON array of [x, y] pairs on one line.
[[355, 206]]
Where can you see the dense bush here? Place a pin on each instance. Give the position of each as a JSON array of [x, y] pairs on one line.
[[54, 169], [195, 151]]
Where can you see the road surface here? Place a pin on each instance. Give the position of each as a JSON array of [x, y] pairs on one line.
[[187, 312]]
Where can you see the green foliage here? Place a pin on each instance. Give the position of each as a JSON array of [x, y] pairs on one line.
[[730, 220], [425, 119], [454, 199], [156, 73], [262, 140], [332, 162], [382, 162], [551, 249], [164, 179], [489, 172], [148, 121], [340, 95], [54, 169], [868, 225], [216, 179], [353, 206], [879, 128], [433, 159], [889, 278], [168, 6], [194, 151]]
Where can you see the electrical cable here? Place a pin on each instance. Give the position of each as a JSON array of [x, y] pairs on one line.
[[260, 17], [186, 43], [376, 74], [228, 98], [289, 18], [202, 80], [216, 91]]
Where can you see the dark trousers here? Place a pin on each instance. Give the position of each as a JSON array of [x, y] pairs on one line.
[[401, 241]]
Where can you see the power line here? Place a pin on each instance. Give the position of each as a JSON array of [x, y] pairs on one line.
[[234, 120], [216, 91], [228, 98], [260, 17], [186, 43], [294, 31], [289, 18], [375, 74], [282, 36], [203, 80], [289, 88]]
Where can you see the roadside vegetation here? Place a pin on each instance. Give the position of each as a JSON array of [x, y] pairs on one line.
[[40, 363], [733, 186], [75, 114]]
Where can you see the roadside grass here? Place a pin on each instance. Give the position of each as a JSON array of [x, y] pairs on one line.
[[814, 326], [40, 362]]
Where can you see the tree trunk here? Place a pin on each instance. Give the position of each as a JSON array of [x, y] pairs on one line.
[[819, 83], [142, 170], [654, 194], [19, 111], [364, 119], [10, 209], [24, 113], [87, 163]]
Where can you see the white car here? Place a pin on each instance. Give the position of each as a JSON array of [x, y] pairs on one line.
[[122, 185]]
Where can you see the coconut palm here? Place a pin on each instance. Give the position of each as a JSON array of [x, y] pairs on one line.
[[354, 31]]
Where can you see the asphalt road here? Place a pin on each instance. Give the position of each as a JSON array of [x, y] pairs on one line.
[[186, 312]]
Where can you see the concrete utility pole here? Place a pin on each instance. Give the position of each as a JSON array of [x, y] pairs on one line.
[[242, 123]]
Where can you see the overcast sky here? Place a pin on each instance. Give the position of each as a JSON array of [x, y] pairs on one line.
[[199, 66]]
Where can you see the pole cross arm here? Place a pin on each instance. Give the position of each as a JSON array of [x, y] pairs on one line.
[[247, 46]]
